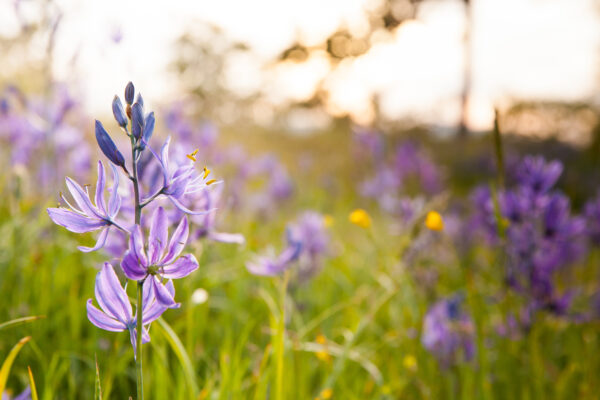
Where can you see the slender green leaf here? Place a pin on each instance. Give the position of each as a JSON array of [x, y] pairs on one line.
[[181, 354], [34, 395], [7, 365]]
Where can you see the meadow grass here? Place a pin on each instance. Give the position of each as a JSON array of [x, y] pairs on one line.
[[348, 331]]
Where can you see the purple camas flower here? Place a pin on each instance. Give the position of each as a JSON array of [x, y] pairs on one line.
[[90, 217], [160, 262], [115, 313], [448, 332], [538, 175], [592, 219], [271, 264], [180, 180], [542, 236], [208, 200], [310, 230]]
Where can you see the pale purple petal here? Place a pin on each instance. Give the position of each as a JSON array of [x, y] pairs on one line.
[[100, 203], [227, 237], [111, 296], [157, 241], [153, 309], [73, 221], [163, 296], [114, 202], [99, 243], [103, 321], [132, 268], [186, 210], [136, 246], [82, 198], [182, 267], [178, 241]]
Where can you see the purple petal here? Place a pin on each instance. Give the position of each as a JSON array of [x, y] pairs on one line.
[[132, 337], [182, 267], [186, 210], [82, 198], [132, 268], [227, 237], [114, 202], [178, 241], [73, 221], [154, 308], [99, 243], [100, 203], [111, 296], [136, 246], [157, 241], [163, 296], [103, 321]]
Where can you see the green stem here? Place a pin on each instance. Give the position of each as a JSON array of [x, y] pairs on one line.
[[138, 358], [280, 339], [139, 322]]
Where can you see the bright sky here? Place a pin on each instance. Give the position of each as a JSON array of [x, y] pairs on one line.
[[526, 49]]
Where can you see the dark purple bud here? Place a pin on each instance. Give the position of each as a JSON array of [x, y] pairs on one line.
[[137, 120], [129, 93], [140, 100], [118, 112], [148, 129], [108, 147]]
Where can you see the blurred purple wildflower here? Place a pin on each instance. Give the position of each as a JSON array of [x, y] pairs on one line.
[[448, 332], [271, 265]]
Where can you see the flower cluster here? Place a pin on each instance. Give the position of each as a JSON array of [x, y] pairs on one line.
[[151, 260], [40, 131], [409, 171], [541, 235]]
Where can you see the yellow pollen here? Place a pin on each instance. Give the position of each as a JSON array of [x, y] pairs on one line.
[[326, 394], [192, 155], [206, 172], [328, 220], [211, 182], [434, 221], [360, 217]]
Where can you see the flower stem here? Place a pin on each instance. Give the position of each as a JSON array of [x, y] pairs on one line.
[[281, 339], [138, 348], [139, 323]]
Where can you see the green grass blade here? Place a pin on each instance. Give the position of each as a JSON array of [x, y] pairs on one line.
[[7, 365], [20, 321], [181, 354], [97, 387], [34, 395]]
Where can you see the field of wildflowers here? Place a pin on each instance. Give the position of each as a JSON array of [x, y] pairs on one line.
[[356, 266]]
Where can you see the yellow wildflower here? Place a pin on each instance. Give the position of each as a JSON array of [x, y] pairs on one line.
[[360, 217], [434, 221]]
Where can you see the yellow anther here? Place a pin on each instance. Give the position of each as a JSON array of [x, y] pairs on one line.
[[192, 155], [328, 220], [434, 221], [211, 182], [360, 217], [326, 394], [206, 172]]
